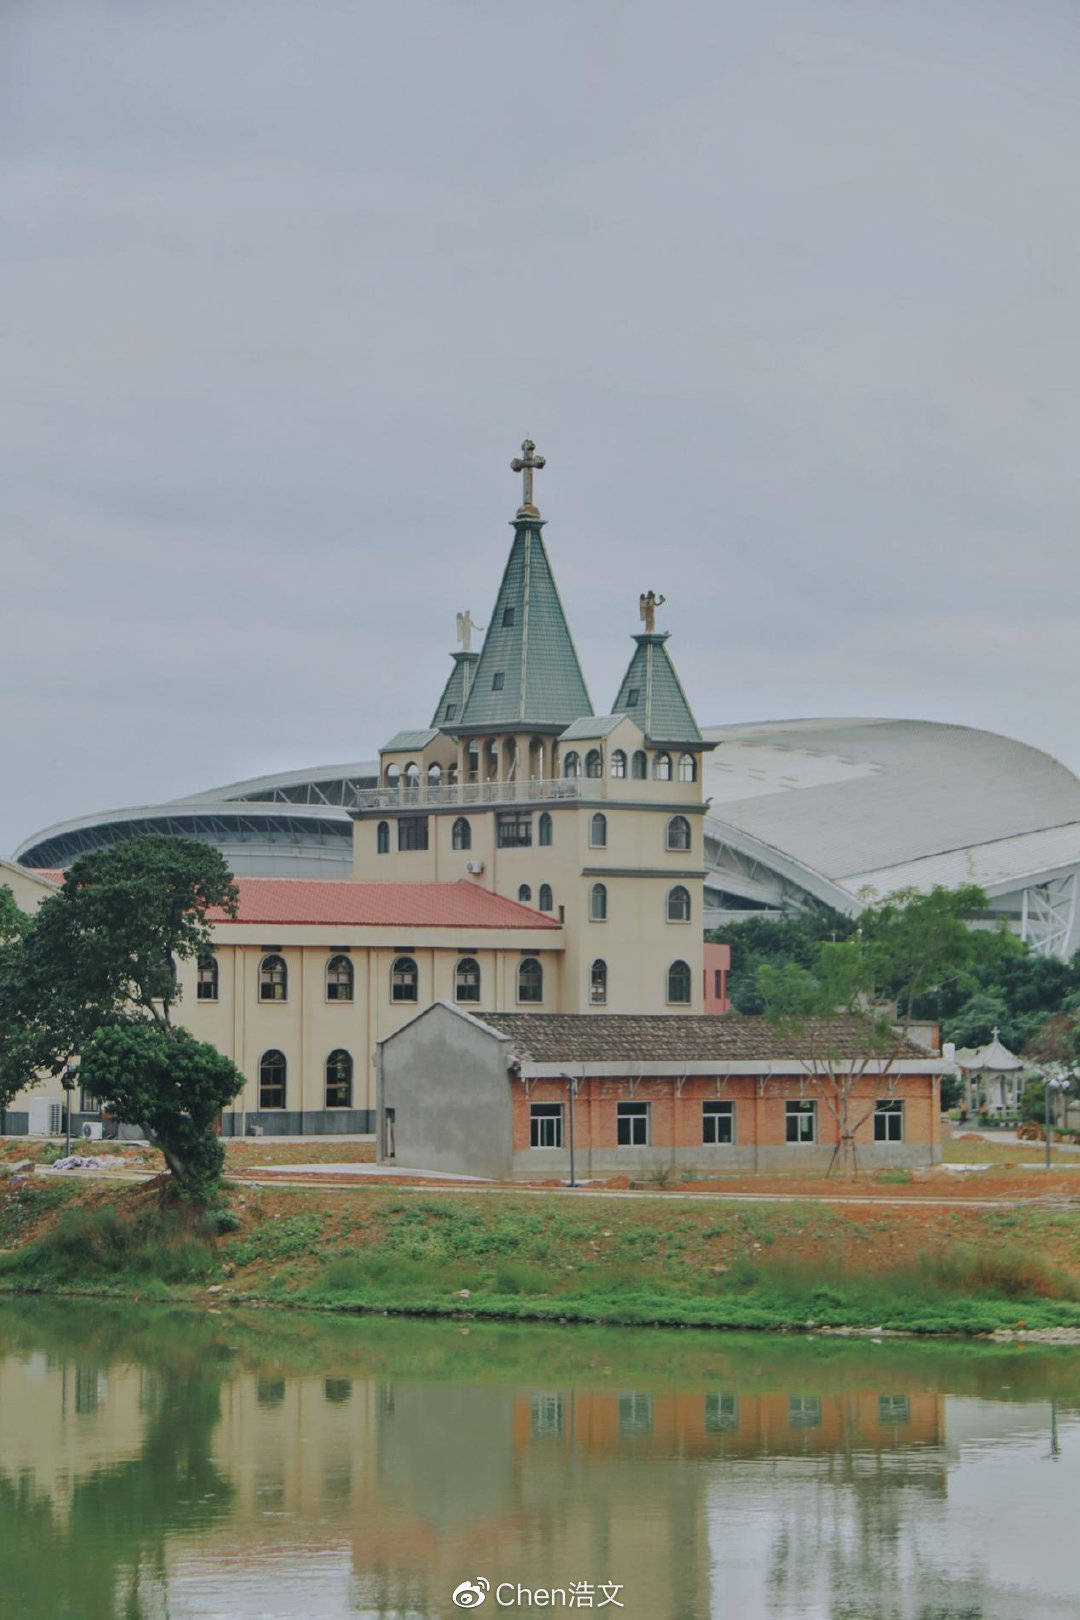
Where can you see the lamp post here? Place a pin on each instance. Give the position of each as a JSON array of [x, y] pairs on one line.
[[67, 1080], [1048, 1086]]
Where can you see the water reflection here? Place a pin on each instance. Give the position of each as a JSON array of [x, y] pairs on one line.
[[155, 1463]]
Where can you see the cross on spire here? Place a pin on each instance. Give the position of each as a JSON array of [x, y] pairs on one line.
[[525, 464]]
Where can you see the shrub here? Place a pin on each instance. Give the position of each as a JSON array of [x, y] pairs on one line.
[[221, 1221]]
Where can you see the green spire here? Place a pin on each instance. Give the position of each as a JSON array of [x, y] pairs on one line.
[[528, 676], [456, 691], [652, 695]]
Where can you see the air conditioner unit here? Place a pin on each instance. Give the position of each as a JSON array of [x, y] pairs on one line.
[[92, 1131], [474, 868], [56, 1119], [255, 1130]]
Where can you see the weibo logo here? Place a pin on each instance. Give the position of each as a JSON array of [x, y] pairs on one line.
[[470, 1594]]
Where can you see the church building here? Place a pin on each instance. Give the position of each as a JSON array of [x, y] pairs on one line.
[[519, 854]]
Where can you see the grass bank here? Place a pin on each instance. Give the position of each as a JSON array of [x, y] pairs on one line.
[[481, 1254]]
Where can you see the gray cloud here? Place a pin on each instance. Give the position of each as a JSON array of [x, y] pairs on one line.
[[785, 294]]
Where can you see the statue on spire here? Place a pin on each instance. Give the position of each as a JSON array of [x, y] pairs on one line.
[[648, 602], [526, 464], [466, 624]]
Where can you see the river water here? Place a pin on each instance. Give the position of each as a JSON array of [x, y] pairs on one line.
[[169, 1463]]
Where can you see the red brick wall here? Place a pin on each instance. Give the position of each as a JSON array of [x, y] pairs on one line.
[[675, 1120]]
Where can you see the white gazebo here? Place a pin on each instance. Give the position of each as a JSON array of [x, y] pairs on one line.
[[996, 1074]]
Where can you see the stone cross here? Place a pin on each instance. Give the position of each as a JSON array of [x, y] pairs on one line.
[[525, 464]]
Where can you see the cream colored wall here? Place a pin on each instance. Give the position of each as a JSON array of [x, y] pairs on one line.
[[307, 1027], [29, 890]]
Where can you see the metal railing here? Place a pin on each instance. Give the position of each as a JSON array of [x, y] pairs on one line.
[[525, 790]]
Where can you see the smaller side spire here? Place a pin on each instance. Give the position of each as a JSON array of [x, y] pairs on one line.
[[650, 692], [459, 683]]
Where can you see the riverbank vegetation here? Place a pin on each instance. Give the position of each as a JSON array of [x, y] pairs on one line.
[[761, 1265]]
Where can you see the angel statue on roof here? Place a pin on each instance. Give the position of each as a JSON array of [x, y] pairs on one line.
[[648, 603]]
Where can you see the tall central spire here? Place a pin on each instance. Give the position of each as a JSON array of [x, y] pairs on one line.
[[528, 675], [525, 464]]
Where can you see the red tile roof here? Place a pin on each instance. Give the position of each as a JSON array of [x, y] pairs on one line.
[[399, 905]]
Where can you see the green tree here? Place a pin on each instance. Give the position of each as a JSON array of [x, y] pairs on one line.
[[94, 972], [907, 945]]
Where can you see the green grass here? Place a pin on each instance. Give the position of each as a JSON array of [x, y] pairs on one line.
[[23, 1205], [124, 1248]]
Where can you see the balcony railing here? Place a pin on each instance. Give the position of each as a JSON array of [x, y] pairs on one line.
[[432, 795]]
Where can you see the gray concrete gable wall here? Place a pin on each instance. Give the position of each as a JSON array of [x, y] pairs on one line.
[[445, 1078]]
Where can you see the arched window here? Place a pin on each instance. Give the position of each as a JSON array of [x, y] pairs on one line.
[[434, 773], [461, 834], [272, 1080], [598, 983], [472, 762], [618, 763], [207, 982], [678, 833], [546, 901], [536, 757], [339, 1080], [404, 979], [598, 831], [571, 765], [687, 768], [662, 768], [638, 768], [339, 979], [678, 983], [530, 980], [393, 775], [544, 829], [594, 764], [467, 980], [525, 894], [598, 903], [412, 773], [382, 838], [678, 904], [273, 979]]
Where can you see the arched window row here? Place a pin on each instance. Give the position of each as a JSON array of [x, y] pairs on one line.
[[273, 979], [339, 979], [206, 983], [678, 983], [339, 1077], [272, 1072], [404, 979], [678, 904], [530, 980], [461, 834], [467, 979], [678, 833]]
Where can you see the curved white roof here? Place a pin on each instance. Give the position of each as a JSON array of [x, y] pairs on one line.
[[871, 804]]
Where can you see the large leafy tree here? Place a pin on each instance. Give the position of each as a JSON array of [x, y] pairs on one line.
[[906, 945], [93, 973]]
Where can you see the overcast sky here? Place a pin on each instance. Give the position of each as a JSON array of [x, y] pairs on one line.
[[786, 293]]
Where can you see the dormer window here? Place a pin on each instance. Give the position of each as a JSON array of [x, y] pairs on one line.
[[497, 681], [633, 697], [451, 712], [508, 617]]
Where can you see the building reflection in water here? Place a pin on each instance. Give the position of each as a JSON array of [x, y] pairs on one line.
[[335, 1492]]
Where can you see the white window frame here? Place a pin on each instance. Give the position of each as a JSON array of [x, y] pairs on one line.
[[641, 1115], [800, 1108], [540, 1116], [715, 1109]]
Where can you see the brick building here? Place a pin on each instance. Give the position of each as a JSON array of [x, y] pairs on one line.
[[512, 1094]]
